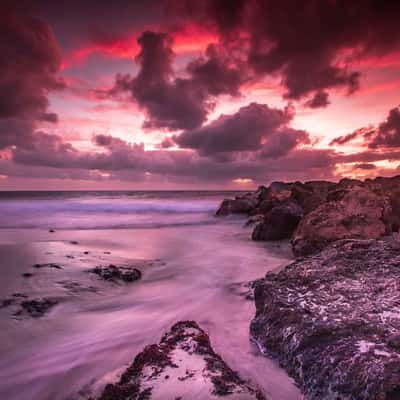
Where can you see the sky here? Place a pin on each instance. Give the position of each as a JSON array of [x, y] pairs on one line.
[[185, 94]]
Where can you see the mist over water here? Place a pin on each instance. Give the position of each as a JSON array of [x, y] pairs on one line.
[[102, 210], [195, 266]]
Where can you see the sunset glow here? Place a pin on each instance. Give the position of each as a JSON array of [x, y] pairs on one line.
[[172, 79]]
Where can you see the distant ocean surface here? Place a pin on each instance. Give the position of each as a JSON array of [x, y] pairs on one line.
[[108, 209]]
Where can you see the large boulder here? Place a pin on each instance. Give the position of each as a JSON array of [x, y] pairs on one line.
[[333, 320], [182, 366], [355, 213], [279, 223], [242, 204]]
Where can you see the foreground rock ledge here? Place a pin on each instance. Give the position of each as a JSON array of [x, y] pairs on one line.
[[333, 320], [182, 366]]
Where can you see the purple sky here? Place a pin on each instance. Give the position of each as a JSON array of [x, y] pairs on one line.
[[189, 94]]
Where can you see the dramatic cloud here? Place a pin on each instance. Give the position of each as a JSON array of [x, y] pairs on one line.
[[171, 103], [218, 73], [29, 61], [320, 99], [365, 166], [310, 46], [193, 58], [388, 132], [246, 130], [386, 135], [118, 159]]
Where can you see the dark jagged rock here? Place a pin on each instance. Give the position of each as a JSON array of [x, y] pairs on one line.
[[47, 265], [243, 204], [333, 320], [332, 211], [76, 287], [279, 223], [36, 308], [114, 273], [254, 219], [7, 302], [311, 194], [182, 366]]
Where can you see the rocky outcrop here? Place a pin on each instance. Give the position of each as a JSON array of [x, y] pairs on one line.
[[333, 320], [279, 223], [329, 211], [355, 212], [243, 204], [23, 306], [182, 366], [114, 273]]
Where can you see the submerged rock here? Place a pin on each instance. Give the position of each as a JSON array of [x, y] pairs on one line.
[[114, 273], [279, 223], [47, 265], [333, 320], [182, 366], [36, 308]]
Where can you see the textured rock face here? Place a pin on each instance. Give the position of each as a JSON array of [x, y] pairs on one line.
[[114, 273], [244, 204], [279, 223], [182, 366], [332, 211], [351, 213], [333, 320], [310, 195]]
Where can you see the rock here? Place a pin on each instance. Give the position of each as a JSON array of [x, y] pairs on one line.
[[279, 223], [254, 219], [51, 230], [36, 308], [114, 273], [47, 265], [310, 195], [242, 204], [76, 287], [356, 213], [236, 206], [276, 195], [74, 242], [182, 366], [27, 274], [333, 320], [6, 302]]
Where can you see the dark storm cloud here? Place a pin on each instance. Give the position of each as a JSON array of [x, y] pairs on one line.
[[172, 102], [217, 72], [246, 130], [169, 102], [365, 166], [29, 61], [123, 160], [303, 43], [319, 100], [388, 132], [385, 135]]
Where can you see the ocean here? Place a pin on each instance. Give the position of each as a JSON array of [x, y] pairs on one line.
[[194, 265]]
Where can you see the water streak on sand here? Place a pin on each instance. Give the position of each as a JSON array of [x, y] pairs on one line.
[[189, 272]]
